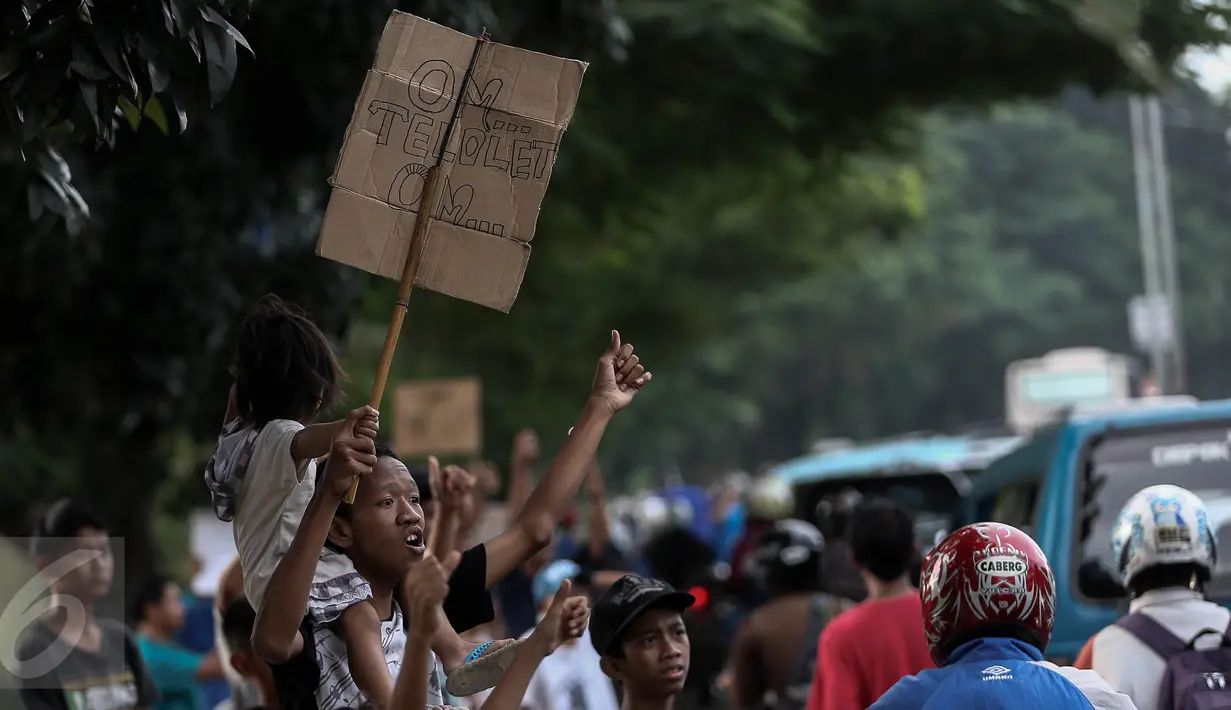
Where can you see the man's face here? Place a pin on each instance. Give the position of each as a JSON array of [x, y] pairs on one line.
[[656, 655], [385, 531], [168, 613], [91, 575]]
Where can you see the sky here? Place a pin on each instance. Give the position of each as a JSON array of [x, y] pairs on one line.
[[1213, 69]]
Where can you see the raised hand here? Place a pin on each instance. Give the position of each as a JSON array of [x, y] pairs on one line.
[[565, 620], [350, 456], [367, 422], [526, 446], [620, 375], [451, 486], [427, 585]]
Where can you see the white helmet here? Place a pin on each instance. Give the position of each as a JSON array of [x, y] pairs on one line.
[[771, 498], [653, 514], [1162, 525]]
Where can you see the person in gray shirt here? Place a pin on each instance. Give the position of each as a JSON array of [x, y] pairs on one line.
[[73, 661]]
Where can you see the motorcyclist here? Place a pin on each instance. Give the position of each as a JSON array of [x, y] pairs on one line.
[[774, 654], [770, 500], [1165, 549], [988, 606]]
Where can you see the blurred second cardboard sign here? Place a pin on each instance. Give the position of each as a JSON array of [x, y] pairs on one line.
[[438, 417]]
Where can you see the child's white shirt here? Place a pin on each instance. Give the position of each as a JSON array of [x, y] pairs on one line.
[[273, 495]]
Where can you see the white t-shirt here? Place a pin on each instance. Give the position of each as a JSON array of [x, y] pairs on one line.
[[1097, 691], [1131, 667], [272, 500], [571, 679]]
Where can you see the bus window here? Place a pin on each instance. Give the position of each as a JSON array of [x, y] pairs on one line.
[[1195, 456], [1015, 505]]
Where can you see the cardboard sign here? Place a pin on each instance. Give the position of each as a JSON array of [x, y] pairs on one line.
[[438, 417], [495, 167]]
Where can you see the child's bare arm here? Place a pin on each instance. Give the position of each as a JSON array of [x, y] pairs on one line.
[[565, 619], [410, 691], [314, 440], [360, 628]]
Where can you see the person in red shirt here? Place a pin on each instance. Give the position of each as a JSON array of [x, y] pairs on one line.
[[867, 649]]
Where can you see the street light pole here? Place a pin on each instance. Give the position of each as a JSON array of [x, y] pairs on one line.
[[1168, 268], [1146, 223]]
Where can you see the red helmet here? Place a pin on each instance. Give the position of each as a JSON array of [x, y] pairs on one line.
[[986, 579]]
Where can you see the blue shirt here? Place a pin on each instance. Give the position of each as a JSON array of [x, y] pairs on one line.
[[174, 670], [198, 635], [698, 501], [1001, 674], [515, 595]]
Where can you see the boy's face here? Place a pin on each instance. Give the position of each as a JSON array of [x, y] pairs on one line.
[[656, 654], [92, 568], [169, 612], [385, 530]]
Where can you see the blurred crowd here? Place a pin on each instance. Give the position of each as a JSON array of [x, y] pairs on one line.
[[363, 583]]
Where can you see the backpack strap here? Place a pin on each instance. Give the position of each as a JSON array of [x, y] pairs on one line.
[[1152, 634]]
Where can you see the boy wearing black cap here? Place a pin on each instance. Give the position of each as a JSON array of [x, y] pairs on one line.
[[637, 626]]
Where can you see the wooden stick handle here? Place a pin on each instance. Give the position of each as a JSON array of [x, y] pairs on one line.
[[423, 221]]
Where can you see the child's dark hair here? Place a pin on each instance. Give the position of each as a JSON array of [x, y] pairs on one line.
[[237, 623], [64, 519], [882, 539], [284, 365]]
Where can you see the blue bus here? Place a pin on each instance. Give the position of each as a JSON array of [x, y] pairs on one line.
[[927, 474], [1066, 484]]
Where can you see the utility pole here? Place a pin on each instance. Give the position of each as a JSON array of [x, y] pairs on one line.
[[1156, 228]]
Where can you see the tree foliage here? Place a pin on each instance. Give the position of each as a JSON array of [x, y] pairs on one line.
[[74, 70], [1029, 244]]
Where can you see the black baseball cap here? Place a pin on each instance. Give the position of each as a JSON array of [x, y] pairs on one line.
[[624, 602]]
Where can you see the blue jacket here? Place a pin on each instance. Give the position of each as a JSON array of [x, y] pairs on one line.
[[1001, 674]]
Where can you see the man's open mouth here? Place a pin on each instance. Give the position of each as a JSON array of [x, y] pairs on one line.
[[415, 540]]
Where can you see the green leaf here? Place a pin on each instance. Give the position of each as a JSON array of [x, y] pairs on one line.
[[179, 15], [10, 59], [168, 17], [89, 96], [159, 79], [85, 64], [130, 112], [194, 41], [109, 46], [181, 104], [155, 112], [212, 16], [52, 32], [222, 61]]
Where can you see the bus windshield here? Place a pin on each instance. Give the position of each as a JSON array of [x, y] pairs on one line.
[[929, 497], [1196, 457]]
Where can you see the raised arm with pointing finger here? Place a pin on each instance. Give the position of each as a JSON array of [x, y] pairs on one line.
[[617, 380]]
